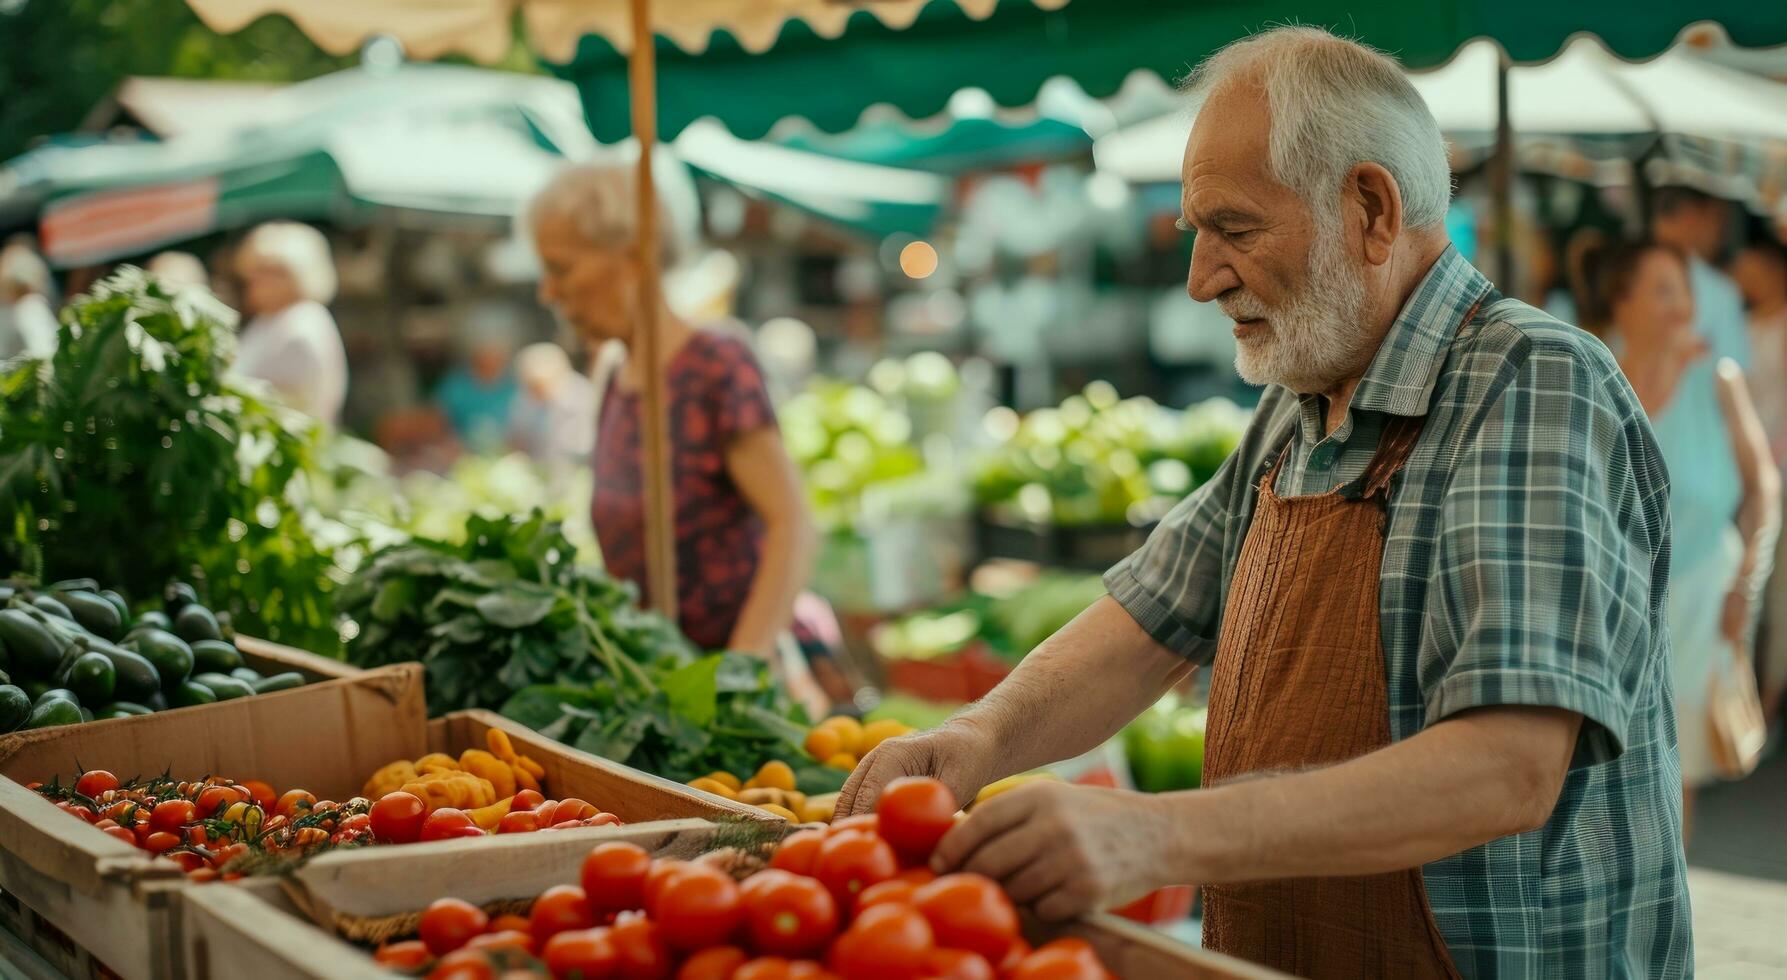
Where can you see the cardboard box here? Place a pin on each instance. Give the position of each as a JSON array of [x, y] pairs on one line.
[[117, 903], [262, 929]]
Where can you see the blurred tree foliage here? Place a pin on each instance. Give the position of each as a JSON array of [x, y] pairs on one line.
[[58, 58]]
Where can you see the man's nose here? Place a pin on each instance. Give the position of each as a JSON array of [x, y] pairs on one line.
[[1210, 274]]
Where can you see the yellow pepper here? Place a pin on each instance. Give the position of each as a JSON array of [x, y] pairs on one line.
[[461, 790], [499, 773], [389, 778], [528, 773], [437, 762], [488, 817]]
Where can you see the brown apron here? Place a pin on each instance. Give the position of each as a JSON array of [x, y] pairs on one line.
[[1299, 682]]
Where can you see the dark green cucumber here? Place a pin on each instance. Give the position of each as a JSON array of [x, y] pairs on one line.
[[53, 606], [170, 655], [53, 711], [15, 707], [75, 584], [246, 675], [91, 677], [279, 682], [177, 595], [154, 619], [216, 656], [34, 651], [195, 623], [56, 694], [226, 688], [123, 709], [118, 602], [96, 615], [188, 693], [137, 677]]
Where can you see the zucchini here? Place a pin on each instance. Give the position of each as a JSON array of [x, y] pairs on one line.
[[225, 687], [34, 650], [53, 711], [170, 655], [137, 678], [15, 707], [279, 682], [195, 623], [216, 656], [188, 693], [91, 677], [96, 615]]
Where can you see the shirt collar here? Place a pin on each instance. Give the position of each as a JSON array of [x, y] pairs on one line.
[[1402, 375]]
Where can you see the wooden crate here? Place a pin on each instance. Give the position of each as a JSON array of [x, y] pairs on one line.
[[294, 929], [116, 903]]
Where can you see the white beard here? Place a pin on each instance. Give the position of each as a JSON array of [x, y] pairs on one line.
[[1318, 337]]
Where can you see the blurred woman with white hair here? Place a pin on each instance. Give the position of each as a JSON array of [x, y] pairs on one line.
[[291, 342], [27, 324]]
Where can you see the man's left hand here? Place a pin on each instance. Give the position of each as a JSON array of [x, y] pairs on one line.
[[1064, 850]]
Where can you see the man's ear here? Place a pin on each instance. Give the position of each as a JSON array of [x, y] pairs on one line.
[[1380, 209]]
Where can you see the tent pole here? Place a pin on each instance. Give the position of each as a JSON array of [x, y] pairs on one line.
[[1501, 181], [660, 531]]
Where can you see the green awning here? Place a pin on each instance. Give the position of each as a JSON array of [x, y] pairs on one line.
[[960, 146], [1097, 43]]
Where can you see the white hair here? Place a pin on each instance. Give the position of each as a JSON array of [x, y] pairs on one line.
[[299, 249], [600, 201], [179, 269], [22, 270], [1336, 103]]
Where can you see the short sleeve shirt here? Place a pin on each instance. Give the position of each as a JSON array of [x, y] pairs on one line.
[[1526, 563], [715, 395]]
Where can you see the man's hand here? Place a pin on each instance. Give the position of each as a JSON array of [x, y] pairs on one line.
[[1063, 850], [954, 753]]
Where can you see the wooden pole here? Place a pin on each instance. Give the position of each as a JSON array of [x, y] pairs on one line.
[[654, 457], [1501, 182]]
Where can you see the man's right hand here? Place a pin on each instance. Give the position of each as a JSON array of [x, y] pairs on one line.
[[955, 753]]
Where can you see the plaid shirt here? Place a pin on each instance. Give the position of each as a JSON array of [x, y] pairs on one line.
[[1526, 563]]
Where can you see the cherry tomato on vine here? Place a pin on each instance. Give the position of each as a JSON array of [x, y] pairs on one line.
[[613, 876], [94, 782], [448, 923], [397, 817]]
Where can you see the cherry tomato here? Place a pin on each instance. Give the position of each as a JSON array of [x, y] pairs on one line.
[[448, 923], [261, 794], [696, 908], [895, 890], [509, 921], [1063, 959], [918, 876], [518, 822], [161, 840], [212, 799], [123, 835], [355, 823], [583, 954], [526, 799], [122, 811], [915, 812], [503, 939], [797, 851], [969, 911], [886, 942], [405, 957], [464, 964], [172, 815], [639, 949], [94, 782], [559, 909], [956, 964], [788, 914], [713, 963], [293, 802], [449, 822], [614, 876], [187, 860], [851, 861], [396, 818], [661, 871], [141, 832], [862, 821]]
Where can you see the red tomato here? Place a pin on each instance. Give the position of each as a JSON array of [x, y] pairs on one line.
[[261, 794], [502, 939], [697, 908], [405, 957], [956, 964], [886, 942], [918, 876], [172, 815], [1063, 959], [580, 954], [509, 921], [518, 822], [639, 948], [123, 835], [862, 821], [851, 861], [199, 876], [94, 782], [969, 911], [765, 968], [713, 963], [293, 802], [788, 914], [464, 964], [567, 825], [448, 923], [187, 860], [447, 823], [355, 823], [915, 812], [797, 851], [895, 890], [213, 800], [526, 799], [396, 818], [559, 909], [614, 876], [161, 840], [661, 872]]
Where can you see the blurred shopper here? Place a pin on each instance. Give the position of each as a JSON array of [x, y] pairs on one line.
[[478, 393], [553, 418], [1760, 270], [291, 341], [1724, 495], [744, 540], [1696, 225], [179, 269], [27, 322]]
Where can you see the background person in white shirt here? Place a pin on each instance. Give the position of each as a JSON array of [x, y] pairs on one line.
[[292, 342], [27, 323]]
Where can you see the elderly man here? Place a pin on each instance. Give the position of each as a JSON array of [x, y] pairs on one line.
[[1430, 585]]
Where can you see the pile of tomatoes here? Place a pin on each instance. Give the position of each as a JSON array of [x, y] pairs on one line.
[[210, 827], [403, 818], [854, 900]]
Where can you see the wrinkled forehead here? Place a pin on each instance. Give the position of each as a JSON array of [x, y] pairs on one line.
[[1227, 160]]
